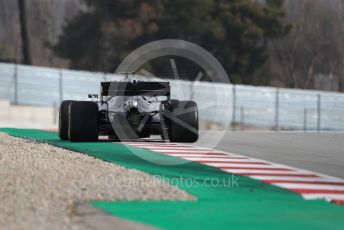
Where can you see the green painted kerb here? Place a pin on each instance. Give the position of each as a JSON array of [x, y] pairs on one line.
[[250, 205]]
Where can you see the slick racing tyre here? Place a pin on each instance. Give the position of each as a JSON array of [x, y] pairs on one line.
[[183, 122], [64, 120], [83, 121]]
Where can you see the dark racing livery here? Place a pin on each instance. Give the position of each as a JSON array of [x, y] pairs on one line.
[[127, 110]]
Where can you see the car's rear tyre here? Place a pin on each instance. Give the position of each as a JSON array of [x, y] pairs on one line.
[[64, 120], [183, 122], [113, 138], [144, 133], [83, 121]]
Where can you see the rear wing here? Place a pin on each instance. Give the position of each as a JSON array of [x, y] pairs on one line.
[[135, 89]]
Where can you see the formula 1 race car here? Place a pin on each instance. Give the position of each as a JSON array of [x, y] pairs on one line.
[[127, 111]]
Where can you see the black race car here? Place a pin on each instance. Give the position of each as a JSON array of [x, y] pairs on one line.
[[128, 111]]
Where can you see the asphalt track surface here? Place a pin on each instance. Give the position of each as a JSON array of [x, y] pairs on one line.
[[319, 152]]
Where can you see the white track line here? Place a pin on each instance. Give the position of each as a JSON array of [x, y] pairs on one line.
[[222, 159], [224, 164], [267, 171], [310, 186], [207, 156], [171, 148], [174, 148], [151, 144], [328, 197], [296, 179], [184, 151]]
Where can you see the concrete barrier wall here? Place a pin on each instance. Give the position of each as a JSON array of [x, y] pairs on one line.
[[222, 104], [27, 116]]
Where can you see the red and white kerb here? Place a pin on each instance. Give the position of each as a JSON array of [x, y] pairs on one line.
[[309, 184]]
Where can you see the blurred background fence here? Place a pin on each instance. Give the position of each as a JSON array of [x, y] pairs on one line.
[[243, 107]]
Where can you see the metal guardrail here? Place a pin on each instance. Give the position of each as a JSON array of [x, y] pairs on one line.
[[235, 104]]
